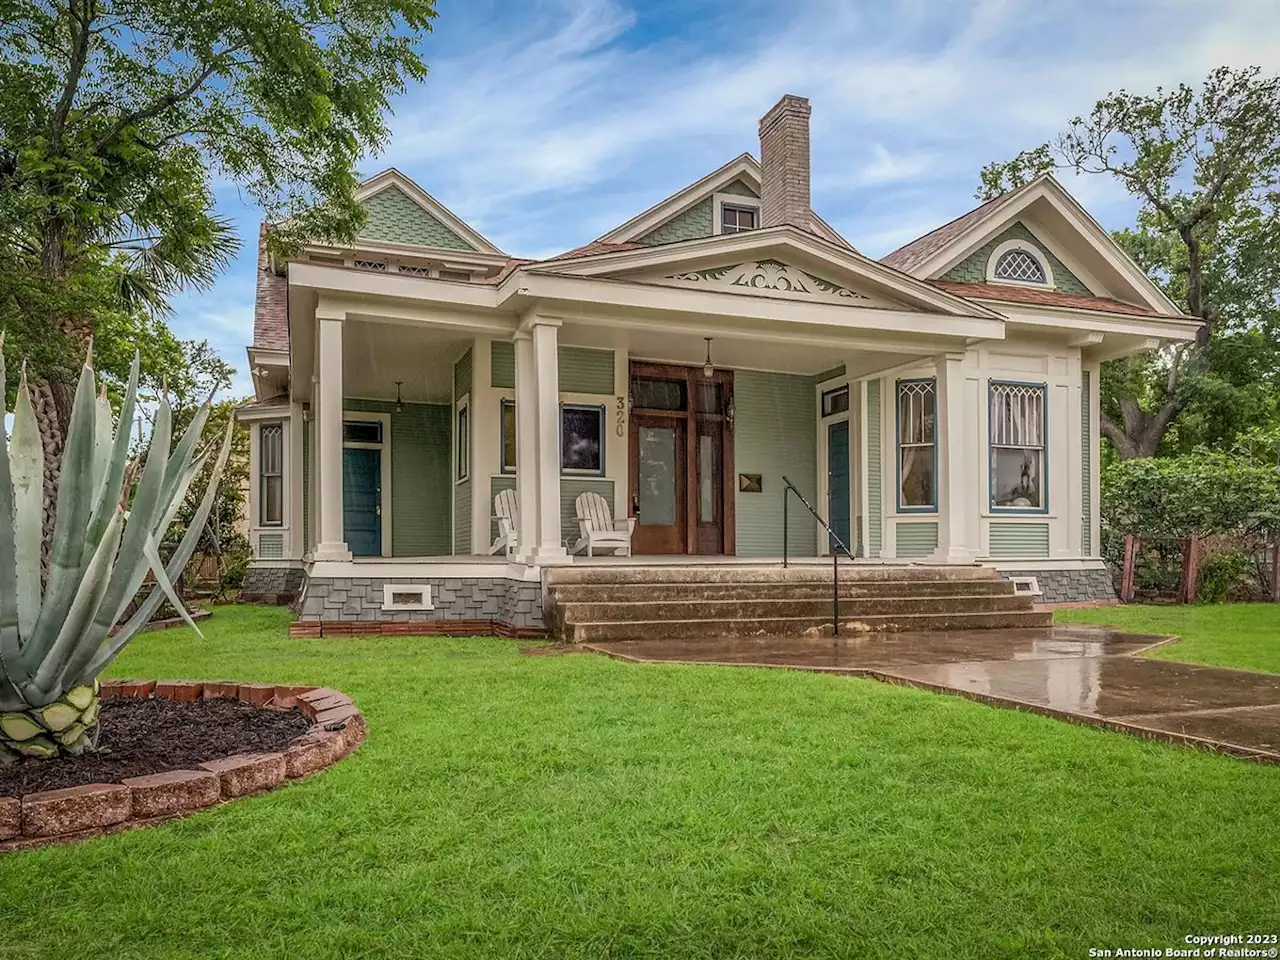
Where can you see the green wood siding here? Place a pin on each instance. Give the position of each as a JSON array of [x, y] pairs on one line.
[[496, 486], [585, 371], [1019, 540], [462, 376], [420, 478], [973, 268], [917, 539], [694, 223], [1086, 467], [875, 482], [774, 433], [502, 361], [831, 374], [462, 518], [395, 217], [570, 488]]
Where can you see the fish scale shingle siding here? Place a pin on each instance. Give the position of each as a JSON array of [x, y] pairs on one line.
[[973, 268], [393, 216], [694, 223]]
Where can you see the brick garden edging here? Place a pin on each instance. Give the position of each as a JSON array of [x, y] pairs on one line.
[[79, 813]]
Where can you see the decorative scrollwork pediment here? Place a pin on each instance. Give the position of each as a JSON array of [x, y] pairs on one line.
[[771, 276]]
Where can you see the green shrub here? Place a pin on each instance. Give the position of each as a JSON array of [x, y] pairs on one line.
[[1222, 574]]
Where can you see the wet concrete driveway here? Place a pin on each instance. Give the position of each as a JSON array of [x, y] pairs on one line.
[[1085, 674]]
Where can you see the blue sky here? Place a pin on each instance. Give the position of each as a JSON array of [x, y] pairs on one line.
[[544, 123]]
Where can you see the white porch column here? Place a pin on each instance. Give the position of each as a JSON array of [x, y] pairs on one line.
[[547, 382], [957, 499], [526, 445], [328, 404]]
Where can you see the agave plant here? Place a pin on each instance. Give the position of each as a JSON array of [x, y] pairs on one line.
[[58, 634]]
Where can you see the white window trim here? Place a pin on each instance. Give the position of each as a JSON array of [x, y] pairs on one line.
[[718, 202], [384, 449], [855, 451], [461, 404], [423, 590], [1027, 247]]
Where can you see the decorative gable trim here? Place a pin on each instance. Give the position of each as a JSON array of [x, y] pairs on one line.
[[393, 178], [1001, 213], [757, 246], [771, 277]]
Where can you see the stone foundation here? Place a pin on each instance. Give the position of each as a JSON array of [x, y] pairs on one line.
[[1070, 586], [469, 605], [272, 584]]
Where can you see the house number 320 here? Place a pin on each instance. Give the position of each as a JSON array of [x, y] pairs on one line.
[[622, 416]]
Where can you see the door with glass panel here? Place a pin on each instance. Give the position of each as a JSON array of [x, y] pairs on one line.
[[681, 458], [659, 480]]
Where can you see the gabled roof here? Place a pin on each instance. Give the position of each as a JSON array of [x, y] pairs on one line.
[[930, 256], [743, 167], [769, 241], [391, 178]]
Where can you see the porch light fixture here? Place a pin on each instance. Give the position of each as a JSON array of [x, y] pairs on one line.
[[708, 368], [399, 401]]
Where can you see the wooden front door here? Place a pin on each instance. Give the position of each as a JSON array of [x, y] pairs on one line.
[[681, 460]]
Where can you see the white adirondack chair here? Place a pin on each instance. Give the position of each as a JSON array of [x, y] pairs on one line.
[[599, 529], [507, 512]]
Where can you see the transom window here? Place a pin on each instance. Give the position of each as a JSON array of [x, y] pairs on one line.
[[917, 434], [1017, 431], [737, 219], [835, 402], [1020, 266]]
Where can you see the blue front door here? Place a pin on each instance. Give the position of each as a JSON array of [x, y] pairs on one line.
[[838, 482], [361, 501]]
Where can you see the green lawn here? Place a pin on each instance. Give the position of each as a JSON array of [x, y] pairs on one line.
[[1242, 635], [511, 806]]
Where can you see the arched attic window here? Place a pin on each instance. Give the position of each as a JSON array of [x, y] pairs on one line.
[[1019, 262]]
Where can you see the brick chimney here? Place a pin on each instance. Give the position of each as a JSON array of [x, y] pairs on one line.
[[784, 164]]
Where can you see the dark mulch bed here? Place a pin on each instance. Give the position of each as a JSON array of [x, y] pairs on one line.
[[138, 737]]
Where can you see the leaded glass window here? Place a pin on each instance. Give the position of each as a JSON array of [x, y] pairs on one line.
[[1021, 266], [1017, 431], [917, 434]]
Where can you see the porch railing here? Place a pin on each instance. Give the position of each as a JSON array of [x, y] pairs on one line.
[[837, 547]]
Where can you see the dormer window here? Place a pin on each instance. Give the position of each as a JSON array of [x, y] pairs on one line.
[[1019, 262], [734, 219]]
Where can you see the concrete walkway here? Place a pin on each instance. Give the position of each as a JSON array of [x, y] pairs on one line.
[[1084, 674]]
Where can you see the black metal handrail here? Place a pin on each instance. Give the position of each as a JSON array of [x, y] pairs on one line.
[[835, 541]]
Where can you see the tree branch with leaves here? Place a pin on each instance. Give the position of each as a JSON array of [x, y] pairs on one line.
[[1204, 164]]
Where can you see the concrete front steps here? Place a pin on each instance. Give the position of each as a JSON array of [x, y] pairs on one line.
[[590, 604]]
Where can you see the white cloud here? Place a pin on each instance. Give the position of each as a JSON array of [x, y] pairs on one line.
[[547, 122]]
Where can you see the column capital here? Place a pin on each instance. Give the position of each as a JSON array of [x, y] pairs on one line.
[[533, 319]]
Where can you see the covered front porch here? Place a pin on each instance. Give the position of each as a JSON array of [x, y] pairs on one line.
[[686, 422]]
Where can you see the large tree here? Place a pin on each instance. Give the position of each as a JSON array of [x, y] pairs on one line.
[[1204, 165], [117, 115]]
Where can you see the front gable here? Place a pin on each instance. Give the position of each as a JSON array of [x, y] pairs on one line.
[[399, 211], [975, 267], [777, 263], [774, 278], [393, 217]]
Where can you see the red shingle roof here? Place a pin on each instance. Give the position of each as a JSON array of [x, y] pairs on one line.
[[1008, 293], [594, 247]]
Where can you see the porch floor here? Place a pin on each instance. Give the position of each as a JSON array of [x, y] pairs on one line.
[[1084, 674]]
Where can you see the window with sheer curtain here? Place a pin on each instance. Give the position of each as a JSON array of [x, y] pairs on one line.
[[917, 465], [1017, 429]]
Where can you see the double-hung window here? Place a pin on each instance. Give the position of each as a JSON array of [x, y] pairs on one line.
[[271, 475], [462, 442], [917, 438], [508, 436], [1017, 430], [581, 438]]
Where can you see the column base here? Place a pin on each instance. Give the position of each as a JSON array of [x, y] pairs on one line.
[[331, 552], [955, 555], [548, 557]]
